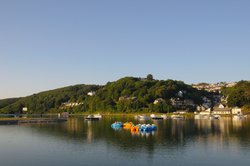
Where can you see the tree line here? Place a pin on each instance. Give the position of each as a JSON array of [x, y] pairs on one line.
[[126, 95]]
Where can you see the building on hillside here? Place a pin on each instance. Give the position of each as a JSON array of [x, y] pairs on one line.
[[158, 101], [25, 109], [221, 106], [71, 104], [222, 111], [178, 103], [201, 108], [92, 93], [215, 87]]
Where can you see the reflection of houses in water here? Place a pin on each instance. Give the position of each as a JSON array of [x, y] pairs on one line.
[[203, 126], [72, 125], [177, 130], [214, 132], [237, 124], [90, 134], [208, 126], [78, 126]]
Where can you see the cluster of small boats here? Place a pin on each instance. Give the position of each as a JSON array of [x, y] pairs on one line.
[[164, 116], [217, 117], [134, 128], [157, 117], [211, 117]]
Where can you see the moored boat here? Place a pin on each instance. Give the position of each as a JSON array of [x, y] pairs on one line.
[[148, 128], [98, 116], [92, 117], [155, 117], [128, 125], [117, 125], [214, 117], [164, 116], [142, 117], [177, 117], [135, 129]]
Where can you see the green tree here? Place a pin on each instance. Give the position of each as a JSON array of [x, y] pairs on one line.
[[150, 77]]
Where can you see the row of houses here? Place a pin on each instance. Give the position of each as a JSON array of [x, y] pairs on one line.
[[75, 104], [221, 110], [71, 104], [215, 87]]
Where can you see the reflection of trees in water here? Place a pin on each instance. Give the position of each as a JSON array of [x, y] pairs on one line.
[[170, 133]]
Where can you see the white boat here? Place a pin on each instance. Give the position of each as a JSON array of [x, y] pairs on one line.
[[98, 116], [164, 116], [94, 117], [177, 117], [215, 117], [142, 117], [239, 117], [155, 117]]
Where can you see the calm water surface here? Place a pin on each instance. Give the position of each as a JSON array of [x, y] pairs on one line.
[[79, 142]]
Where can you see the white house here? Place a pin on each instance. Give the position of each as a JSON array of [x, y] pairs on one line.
[[201, 108], [92, 93], [25, 109], [180, 94], [221, 106], [224, 111], [236, 110], [221, 110], [71, 104], [159, 100]]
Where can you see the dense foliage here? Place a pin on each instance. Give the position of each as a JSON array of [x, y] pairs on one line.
[[50, 100], [126, 95], [131, 94], [6, 102], [238, 95]]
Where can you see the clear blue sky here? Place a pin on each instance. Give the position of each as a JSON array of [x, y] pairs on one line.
[[54, 43]]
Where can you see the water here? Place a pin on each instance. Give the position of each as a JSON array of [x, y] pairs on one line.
[[79, 142]]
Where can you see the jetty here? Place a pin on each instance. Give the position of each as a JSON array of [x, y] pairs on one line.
[[15, 121]]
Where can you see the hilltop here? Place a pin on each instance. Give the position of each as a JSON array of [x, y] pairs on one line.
[[126, 95]]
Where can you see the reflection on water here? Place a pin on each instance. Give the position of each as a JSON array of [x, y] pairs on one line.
[[178, 142]]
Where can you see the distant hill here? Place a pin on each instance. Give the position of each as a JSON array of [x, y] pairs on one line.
[[126, 95], [47, 101]]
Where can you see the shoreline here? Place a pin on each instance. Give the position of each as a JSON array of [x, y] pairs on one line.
[[16, 121]]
